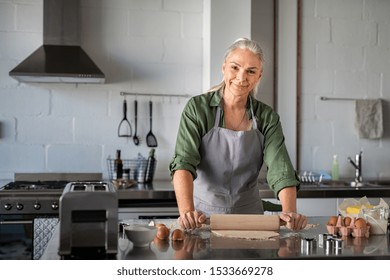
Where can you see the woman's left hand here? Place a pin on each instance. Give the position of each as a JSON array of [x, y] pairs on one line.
[[294, 221]]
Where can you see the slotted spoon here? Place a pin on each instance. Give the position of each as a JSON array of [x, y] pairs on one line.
[[151, 140]]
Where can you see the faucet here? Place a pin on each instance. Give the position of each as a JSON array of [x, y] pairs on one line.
[[358, 169]]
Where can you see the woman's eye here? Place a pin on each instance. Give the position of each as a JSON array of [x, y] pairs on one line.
[[252, 72], [234, 67]]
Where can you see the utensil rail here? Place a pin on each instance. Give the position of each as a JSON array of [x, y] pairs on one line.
[[155, 94]]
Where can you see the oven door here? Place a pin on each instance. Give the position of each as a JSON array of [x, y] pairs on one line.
[[16, 237], [24, 237]]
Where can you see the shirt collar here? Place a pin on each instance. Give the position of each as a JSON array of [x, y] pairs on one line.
[[216, 98]]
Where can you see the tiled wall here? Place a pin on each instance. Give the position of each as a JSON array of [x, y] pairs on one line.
[[345, 53], [144, 46]]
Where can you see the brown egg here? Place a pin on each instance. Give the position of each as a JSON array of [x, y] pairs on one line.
[[178, 235], [360, 223], [162, 232], [332, 221], [347, 221], [159, 225]]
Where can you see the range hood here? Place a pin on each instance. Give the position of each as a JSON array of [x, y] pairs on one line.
[[60, 59]]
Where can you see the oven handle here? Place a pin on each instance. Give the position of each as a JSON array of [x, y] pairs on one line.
[[16, 222]]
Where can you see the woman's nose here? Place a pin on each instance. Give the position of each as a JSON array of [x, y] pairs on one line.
[[241, 75]]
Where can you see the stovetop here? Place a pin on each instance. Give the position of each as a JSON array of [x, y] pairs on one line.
[[37, 194], [34, 185], [50, 182]]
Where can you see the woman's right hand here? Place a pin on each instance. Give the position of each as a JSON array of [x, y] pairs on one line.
[[191, 220]]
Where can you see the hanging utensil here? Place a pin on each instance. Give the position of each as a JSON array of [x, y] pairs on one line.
[[135, 137], [124, 128], [151, 140]]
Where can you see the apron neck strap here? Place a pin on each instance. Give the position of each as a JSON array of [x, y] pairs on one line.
[[218, 116], [254, 119], [219, 113]]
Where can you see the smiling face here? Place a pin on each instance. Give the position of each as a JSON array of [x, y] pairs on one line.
[[242, 72]]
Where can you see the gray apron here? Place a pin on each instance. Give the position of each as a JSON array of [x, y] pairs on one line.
[[228, 171]]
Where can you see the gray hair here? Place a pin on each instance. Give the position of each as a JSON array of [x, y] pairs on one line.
[[244, 44]]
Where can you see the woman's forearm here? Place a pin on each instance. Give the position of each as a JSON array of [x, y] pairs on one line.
[[183, 185], [288, 199]]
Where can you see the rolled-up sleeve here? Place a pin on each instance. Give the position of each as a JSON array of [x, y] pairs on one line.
[[188, 141], [280, 171]]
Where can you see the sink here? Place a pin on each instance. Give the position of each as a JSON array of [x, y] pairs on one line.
[[348, 183], [385, 182], [351, 183], [336, 183]]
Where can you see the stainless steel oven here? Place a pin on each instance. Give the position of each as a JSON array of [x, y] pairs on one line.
[[23, 217], [29, 211]]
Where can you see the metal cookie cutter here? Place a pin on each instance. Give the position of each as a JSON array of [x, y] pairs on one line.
[[333, 245], [308, 246]]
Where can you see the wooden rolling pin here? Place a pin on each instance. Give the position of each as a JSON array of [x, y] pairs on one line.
[[245, 222]]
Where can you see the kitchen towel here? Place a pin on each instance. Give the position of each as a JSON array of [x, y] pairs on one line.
[[369, 118]]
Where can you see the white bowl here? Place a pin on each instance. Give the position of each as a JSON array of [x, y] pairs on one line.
[[140, 235]]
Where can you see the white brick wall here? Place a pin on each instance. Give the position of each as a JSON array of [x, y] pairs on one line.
[[345, 54], [156, 46], [146, 46]]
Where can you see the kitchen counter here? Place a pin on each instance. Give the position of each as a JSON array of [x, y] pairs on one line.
[[202, 244], [162, 192]]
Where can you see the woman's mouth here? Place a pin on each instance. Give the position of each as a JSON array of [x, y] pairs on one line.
[[239, 86]]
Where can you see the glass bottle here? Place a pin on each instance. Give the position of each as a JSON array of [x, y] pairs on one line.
[[118, 165], [150, 166], [335, 168]]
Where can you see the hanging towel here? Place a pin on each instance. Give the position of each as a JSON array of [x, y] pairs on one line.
[[369, 118]]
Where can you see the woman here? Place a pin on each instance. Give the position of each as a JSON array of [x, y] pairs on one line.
[[223, 139]]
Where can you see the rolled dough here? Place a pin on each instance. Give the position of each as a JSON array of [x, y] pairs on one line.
[[246, 234]]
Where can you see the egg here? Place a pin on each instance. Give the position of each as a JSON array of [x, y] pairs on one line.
[[177, 235], [332, 221], [360, 223], [162, 232], [347, 221], [159, 225]]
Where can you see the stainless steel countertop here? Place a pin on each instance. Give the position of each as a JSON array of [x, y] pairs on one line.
[[202, 244]]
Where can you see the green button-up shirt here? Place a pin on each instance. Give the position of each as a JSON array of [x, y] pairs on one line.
[[198, 118]]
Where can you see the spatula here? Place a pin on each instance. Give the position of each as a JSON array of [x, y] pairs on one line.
[[151, 140]]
